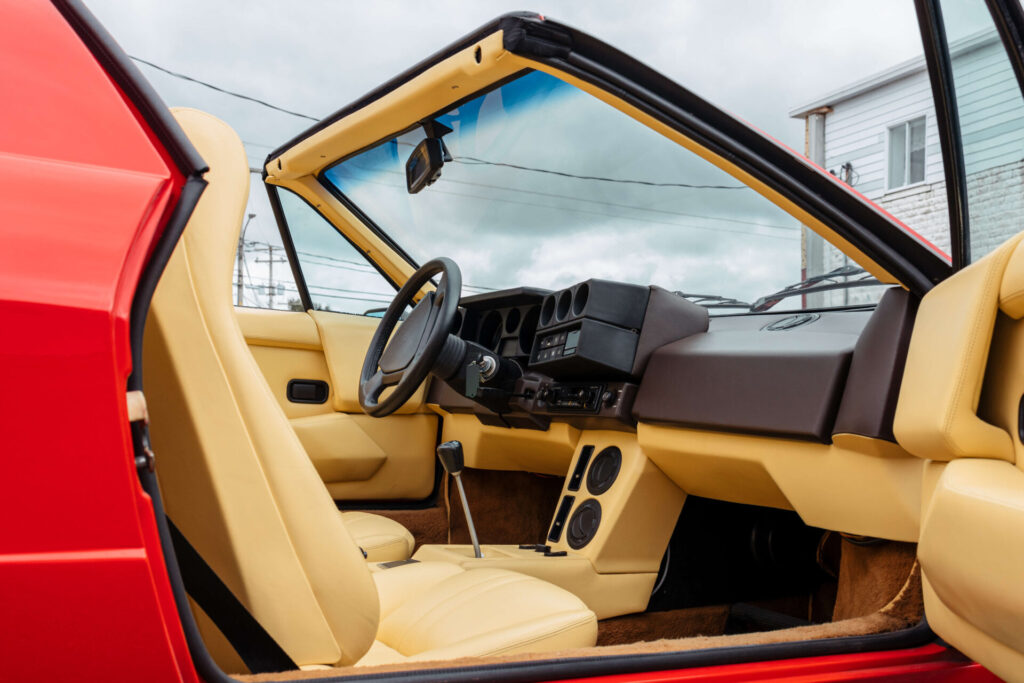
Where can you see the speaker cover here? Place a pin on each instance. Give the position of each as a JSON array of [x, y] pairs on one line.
[[583, 524], [604, 470]]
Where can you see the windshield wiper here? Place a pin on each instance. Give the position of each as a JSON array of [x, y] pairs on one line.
[[819, 283], [715, 301]]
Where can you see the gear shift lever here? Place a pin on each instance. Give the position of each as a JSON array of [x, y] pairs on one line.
[[450, 455]]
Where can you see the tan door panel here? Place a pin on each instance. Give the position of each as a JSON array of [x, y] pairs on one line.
[[960, 402], [408, 472], [359, 457], [345, 341], [972, 562]]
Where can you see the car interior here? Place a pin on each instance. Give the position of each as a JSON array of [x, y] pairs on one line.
[[598, 470]]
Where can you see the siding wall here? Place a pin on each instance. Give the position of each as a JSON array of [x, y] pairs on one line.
[[992, 127]]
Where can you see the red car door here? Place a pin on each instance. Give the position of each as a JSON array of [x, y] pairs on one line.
[[92, 173]]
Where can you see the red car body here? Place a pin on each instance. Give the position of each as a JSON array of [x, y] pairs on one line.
[[87, 188]]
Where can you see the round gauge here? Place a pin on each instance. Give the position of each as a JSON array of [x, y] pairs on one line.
[[512, 319], [564, 303], [528, 328], [490, 330], [548, 310], [579, 300]]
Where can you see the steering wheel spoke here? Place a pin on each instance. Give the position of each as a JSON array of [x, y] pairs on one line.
[[404, 360]]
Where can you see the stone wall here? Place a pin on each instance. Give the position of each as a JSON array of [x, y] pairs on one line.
[[996, 204]]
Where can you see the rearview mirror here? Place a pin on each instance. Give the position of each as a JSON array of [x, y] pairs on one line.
[[424, 164]]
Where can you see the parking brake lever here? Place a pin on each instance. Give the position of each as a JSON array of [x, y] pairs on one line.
[[450, 455]]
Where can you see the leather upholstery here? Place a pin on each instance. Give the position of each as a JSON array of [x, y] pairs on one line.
[[242, 490], [440, 611], [936, 416], [1011, 291], [382, 539]]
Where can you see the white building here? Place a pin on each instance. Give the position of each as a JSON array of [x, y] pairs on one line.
[[880, 136]]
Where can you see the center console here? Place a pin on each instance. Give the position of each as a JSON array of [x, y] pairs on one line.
[[608, 533]]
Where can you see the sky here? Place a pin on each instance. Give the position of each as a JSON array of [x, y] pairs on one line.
[[756, 59]]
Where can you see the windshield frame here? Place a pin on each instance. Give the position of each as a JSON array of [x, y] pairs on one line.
[[873, 238]]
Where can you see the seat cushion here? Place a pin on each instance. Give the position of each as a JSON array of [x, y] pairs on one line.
[[383, 539], [472, 613]]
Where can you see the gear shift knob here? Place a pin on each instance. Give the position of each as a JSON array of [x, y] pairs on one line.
[[450, 455]]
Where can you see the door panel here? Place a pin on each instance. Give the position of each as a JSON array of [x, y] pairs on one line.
[[961, 402], [359, 457], [972, 557]]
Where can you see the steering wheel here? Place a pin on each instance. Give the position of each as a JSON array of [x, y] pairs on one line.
[[405, 361]]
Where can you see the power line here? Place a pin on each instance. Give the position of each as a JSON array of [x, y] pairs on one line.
[[474, 161], [468, 160], [555, 195], [221, 90], [749, 233]]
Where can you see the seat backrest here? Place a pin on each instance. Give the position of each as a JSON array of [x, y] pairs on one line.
[[234, 476]]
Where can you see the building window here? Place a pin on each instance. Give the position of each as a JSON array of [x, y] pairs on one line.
[[906, 153]]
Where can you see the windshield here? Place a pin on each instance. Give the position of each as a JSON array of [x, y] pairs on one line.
[[547, 186]]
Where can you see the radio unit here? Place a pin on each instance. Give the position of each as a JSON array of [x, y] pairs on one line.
[[574, 398]]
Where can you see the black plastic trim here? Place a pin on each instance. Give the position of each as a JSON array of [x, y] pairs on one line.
[[560, 518], [1020, 420], [289, 246], [576, 480], [132, 83], [940, 75], [321, 388]]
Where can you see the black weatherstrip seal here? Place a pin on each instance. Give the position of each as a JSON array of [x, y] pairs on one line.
[[254, 645], [127, 76], [940, 75]]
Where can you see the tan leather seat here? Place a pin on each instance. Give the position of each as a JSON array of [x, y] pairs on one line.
[[239, 486], [382, 539]]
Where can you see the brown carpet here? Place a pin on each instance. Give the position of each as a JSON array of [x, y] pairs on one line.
[[904, 609], [677, 623], [870, 576], [507, 507]]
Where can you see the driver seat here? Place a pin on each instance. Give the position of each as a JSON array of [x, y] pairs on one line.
[[241, 490]]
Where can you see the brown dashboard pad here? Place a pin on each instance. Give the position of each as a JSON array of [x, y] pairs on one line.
[[805, 376]]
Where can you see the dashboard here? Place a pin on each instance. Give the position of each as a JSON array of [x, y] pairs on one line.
[[603, 354]]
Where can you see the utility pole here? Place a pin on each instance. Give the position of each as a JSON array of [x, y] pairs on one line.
[[270, 261], [814, 252], [240, 288]]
